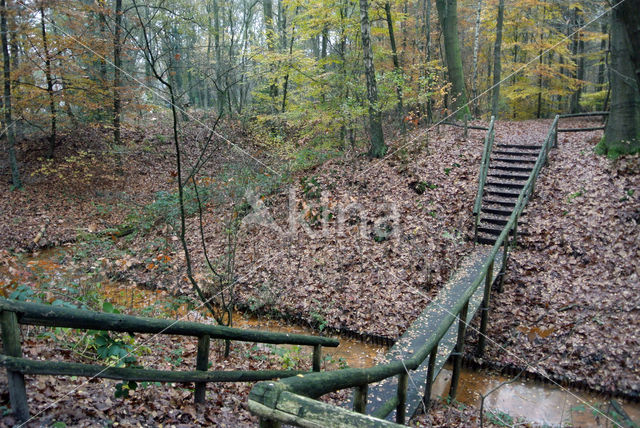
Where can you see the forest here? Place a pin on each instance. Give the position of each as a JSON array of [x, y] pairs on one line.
[[266, 212]]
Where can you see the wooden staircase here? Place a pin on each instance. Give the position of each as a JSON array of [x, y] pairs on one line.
[[509, 168]]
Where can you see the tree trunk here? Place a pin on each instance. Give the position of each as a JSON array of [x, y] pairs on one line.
[[622, 134], [378, 148], [49, 77], [630, 16], [603, 50], [577, 50], [117, 64], [448, 15], [218, 49], [396, 63], [285, 85], [267, 8], [8, 122], [476, 47], [497, 66]]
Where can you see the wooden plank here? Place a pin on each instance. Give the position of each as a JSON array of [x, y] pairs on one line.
[[315, 413], [56, 316], [593, 113], [424, 327], [594, 128], [58, 368]]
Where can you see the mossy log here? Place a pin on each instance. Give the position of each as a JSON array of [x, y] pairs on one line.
[[56, 316], [587, 114], [58, 368], [301, 411]]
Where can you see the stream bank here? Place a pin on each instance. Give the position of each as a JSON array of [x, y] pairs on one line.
[[525, 400]]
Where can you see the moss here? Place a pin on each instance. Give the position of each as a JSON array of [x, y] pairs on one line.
[[613, 150]]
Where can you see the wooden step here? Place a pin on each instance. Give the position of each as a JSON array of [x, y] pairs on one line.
[[515, 160], [496, 200], [507, 175], [490, 229], [504, 192], [493, 221], [497, 210], [513, 167], [519, 146], [485, 239], [512, 184], [516, 153]]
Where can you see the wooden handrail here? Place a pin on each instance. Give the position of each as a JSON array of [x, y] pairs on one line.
[[592, 113], [482, 177], [58, 316], [62, 368], [266, 398]]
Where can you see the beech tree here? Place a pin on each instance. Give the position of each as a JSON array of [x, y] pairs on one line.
[[622, 134], [8, 120], [448, 15], [378, 148]]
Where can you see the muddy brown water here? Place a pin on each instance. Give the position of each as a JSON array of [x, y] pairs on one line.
[[522, 400]]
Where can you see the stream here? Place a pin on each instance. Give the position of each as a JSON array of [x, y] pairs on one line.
[[522, 400]]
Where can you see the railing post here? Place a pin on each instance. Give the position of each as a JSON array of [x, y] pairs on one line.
[[202, 363], [485, 310], [503, 269], [401, 409], [317, 357], [431, 368], [466, 126], [457, 355], [360, 398], [12, 348]]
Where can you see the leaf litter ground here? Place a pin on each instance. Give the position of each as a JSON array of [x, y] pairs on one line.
[[397, 231]]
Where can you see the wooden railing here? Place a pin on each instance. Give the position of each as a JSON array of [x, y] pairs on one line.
[[484, 166], [292, 400], [13, 313], [604, 114]]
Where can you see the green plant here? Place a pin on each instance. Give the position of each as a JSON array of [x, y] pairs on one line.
[[116, 351], [574, 195], [290, 357], [340, 362], [500, 419], [311, 189], [382, 232], [318, 320], [176, 357]]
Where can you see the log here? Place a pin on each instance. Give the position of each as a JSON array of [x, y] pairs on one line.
[[595, 128], [60, 368], [41, 233], [56, 316], [481, 128], [593, 113], [118, 233], [306, 412]]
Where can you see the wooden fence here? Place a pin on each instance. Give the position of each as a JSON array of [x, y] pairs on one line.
[[14, 313], [604, 114]]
